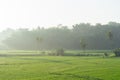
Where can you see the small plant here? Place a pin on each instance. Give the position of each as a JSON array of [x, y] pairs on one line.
[[117, 52], [106, 54]]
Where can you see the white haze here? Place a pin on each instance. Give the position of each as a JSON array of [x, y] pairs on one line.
[[32, 13]]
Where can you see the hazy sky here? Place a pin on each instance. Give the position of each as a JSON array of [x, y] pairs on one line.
[[31, 13]]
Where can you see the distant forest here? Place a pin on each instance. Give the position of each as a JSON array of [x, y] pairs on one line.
[[94, 36]]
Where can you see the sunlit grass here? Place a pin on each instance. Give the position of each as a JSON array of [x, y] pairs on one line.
[[59, 68]]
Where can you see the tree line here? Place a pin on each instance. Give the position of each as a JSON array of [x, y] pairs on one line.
[[80, 36]]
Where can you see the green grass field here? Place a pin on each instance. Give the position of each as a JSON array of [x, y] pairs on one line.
[[59, 68]]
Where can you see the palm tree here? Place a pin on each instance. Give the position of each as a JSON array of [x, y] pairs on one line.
[[110, 37], [39, 40], [83, 44]]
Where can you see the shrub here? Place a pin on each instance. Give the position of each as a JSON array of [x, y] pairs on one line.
[[117, 52], [60, 52], [106, 54], [81, 54], [52, 53]]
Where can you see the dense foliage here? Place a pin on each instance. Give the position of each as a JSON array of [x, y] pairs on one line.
[[95, 36], [117, 52]]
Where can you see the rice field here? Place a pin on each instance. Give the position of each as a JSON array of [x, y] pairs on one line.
[[59, 68]]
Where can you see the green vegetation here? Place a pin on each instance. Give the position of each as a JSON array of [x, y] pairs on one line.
[[117, 52], [92, 37], [80, 53], [39, 40], [83, 44], [57, 52], [60, 52], [59, 68], [30, 65]]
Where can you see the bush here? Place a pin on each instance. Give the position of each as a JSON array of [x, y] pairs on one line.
[[106, 54], [117, 52], [60, 52]]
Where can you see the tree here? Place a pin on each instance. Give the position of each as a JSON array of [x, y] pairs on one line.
[[117, 52], [39, 40], [98, 36], [83, 44], [60, 52], [110, 37]]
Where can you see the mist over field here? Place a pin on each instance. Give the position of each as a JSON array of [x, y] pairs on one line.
[[95, 36], [59, 39]]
